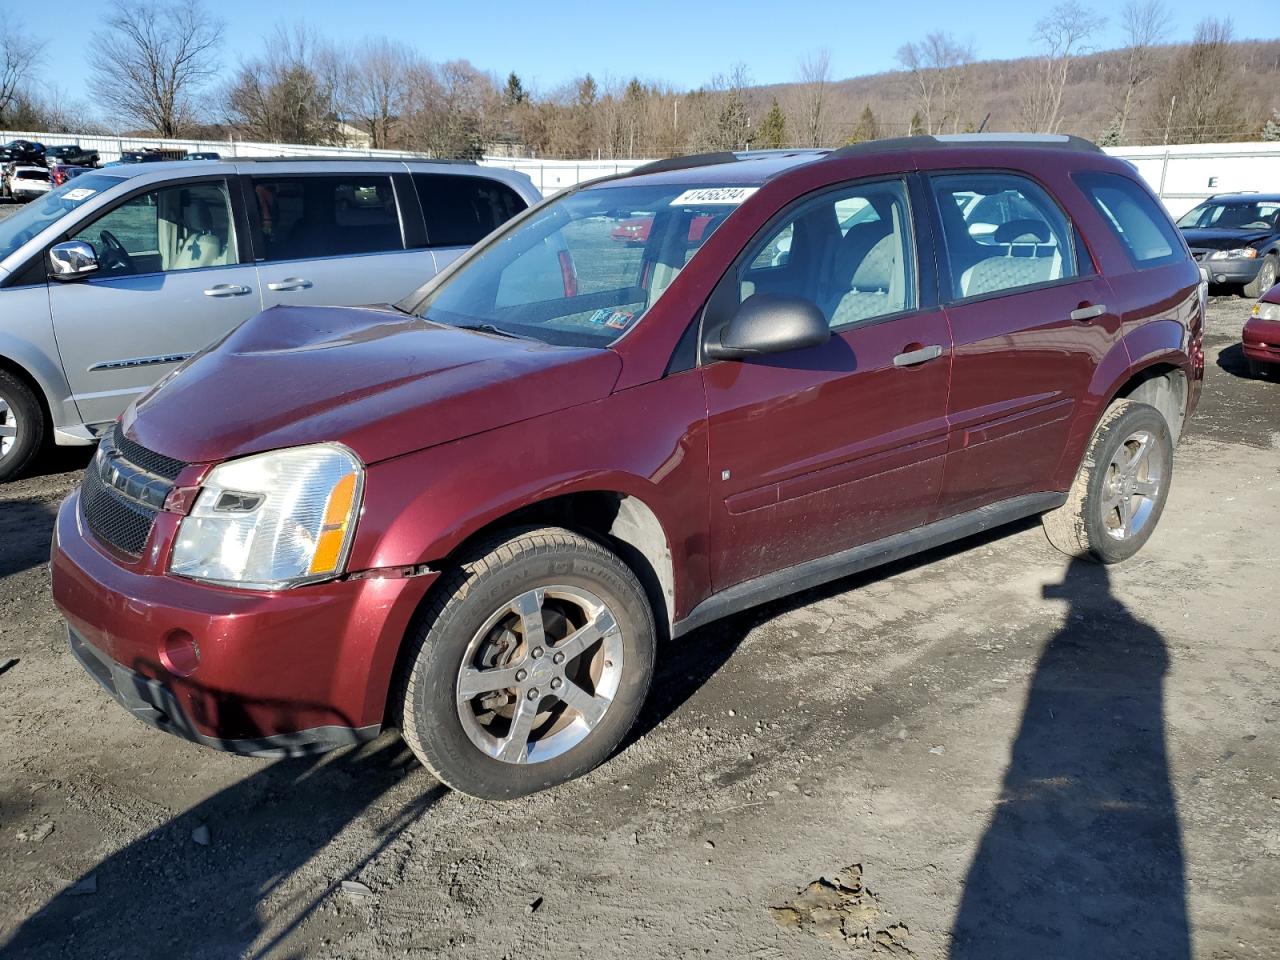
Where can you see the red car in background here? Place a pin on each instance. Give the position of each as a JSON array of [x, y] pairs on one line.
[[1261, 337], [637, 230]]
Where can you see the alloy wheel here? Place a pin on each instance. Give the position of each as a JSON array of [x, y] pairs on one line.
[[540, 674], [8, 427], [1133, 486]]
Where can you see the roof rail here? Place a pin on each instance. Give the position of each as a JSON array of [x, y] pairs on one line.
[[347, 158], [1060, 141], [684, 163]]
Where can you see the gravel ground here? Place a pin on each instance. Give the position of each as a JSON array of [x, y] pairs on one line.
[[986, 751]]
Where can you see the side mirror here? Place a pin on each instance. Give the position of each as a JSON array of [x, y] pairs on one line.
[[767, 323], [72, 260]]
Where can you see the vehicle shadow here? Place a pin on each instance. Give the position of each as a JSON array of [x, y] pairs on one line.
[[164, 895], [26, 526], [1083, 855], [1233, 361]]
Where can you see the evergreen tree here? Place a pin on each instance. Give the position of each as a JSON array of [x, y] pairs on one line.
[[1271, 132], [867, 127], [772, 132], [514, 94], [1110, 137]]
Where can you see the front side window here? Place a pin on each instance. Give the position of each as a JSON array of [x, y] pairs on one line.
[[1143, 228], [585, 268], [461, 210], [1001, 232], [848, 251], [183, 227], [307, 217], [46, 210]]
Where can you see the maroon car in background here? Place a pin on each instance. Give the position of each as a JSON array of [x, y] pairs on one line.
[[474, 515], [1261, 337]]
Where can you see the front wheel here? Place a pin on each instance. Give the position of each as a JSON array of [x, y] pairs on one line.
[[1266, 278], [21, 426], [1117, 498], [529, 667]]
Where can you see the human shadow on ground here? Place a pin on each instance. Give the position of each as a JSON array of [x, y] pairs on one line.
[[1083, 855], [165, 896]]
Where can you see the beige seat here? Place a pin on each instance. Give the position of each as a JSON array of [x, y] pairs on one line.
[[200, 246], [877, 286]]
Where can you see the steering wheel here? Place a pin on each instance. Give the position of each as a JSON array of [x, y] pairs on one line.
[[114, 254]]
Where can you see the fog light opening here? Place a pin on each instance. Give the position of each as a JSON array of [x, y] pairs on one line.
[[179, 653]]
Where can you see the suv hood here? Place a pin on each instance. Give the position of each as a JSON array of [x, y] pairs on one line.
[[381, 382], [1209, 238]]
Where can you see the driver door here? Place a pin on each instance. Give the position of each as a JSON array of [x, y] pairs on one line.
[[173, 277]]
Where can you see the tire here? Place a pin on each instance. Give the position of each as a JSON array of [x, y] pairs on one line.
[[21, 426], [472, 623], [1266, 278], [1257, 369], [1091, 524]]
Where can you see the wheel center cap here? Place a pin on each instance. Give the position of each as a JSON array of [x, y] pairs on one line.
[[542, 670]]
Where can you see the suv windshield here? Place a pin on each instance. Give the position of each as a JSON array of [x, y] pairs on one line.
[[1233, 215], [583, 269], [38, 214]]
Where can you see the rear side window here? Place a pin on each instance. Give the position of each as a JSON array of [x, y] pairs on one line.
[[460, 209], [1003, 233], [308, 217], [1144, 230]]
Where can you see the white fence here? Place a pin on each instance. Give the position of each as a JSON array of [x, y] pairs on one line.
[[1181, 175]]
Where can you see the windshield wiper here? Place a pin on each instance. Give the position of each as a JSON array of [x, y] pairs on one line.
[[490, 328]]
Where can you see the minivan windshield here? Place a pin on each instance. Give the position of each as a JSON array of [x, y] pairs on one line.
[[39, 213], [585, 268]]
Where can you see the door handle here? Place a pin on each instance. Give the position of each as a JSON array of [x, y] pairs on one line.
[[290, 283], [921, 355], [1088, 313], [227, 290]]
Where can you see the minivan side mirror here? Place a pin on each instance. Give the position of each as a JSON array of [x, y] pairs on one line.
[[768, 323], [72, 260]]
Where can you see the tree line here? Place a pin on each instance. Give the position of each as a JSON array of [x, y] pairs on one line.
[[159, 68]]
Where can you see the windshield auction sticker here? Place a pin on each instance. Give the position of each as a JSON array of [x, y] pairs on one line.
[[731, 196], [80, 193]]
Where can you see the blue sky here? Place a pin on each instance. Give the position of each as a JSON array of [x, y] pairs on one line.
[[683, 43]]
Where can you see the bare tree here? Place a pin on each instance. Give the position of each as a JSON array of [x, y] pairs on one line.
[[937, 71], [1146, 23], [151, 59], [375, 85], [814, 79], [19, 56], [1199, 95], [289, 94], [453, 109], [1063, 36]]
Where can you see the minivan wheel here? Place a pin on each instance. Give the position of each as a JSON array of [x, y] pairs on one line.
[[530, 665], [21, 426], [1117, 498]]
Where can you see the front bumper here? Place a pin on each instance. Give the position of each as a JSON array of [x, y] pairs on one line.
[[1261, 340], [287, 673], [1232, 271]]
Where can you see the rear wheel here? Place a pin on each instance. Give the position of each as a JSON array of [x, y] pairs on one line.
[[21, 426], [530, 666], [1119, 494], [1257, 369], [1266, 278]]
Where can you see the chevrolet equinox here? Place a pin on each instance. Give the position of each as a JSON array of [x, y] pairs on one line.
[[474, 516]]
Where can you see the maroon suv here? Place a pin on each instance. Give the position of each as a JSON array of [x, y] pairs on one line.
[[473, 516]]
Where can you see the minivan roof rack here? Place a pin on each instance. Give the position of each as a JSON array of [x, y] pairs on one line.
[[1060, 141], [340, 157]]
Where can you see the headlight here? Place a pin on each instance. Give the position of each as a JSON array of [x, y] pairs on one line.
[[1241, 253], [1267, 311], [273, 520]]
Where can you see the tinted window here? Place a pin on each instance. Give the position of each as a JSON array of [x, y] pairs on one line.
[[1143, 228], [1234, 215], [184, 227], [849, 251], [1001, 232], [307, 217], [460, 210]]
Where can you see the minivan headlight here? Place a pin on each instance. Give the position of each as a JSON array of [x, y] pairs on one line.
[[273, 520], [1240, 253]]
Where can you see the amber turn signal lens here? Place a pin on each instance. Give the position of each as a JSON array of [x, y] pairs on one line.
[[337, 518]]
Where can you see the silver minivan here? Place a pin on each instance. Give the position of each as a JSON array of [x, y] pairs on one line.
[[116, 277]]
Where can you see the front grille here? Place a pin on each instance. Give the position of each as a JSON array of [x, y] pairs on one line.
[[123, 490], [148, 460]]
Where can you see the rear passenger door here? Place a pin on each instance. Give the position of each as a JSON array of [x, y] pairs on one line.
[[333, 238], [461, 209], [1030, 321]]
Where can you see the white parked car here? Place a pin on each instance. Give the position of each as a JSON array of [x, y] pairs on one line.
[[25, 182]]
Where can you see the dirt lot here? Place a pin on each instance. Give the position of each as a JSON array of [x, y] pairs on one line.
[[1024, 758]]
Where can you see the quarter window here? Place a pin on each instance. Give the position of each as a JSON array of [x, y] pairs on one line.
[[460, 210], [1142, 227], [1002, 232], [304, 218]]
